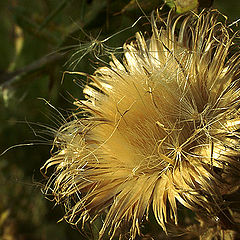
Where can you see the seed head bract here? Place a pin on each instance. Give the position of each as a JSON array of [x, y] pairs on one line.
[[159, 129]]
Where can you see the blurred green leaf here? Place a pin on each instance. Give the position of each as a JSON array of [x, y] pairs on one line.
[[56, 11], [182, 6]]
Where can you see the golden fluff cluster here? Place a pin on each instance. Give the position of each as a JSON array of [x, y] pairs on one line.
[[158, 130]]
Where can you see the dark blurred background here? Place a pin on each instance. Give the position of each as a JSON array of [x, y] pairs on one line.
[[39, 40]]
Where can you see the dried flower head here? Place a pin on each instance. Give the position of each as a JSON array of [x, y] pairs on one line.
[[159, 129]]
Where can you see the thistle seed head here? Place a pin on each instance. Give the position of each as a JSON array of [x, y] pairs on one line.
[[159, 128]]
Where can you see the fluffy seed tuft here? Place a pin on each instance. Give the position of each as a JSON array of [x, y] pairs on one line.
[[159, 129]]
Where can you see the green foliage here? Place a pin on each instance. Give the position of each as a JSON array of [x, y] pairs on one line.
[[39, 41], [182, 6]]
